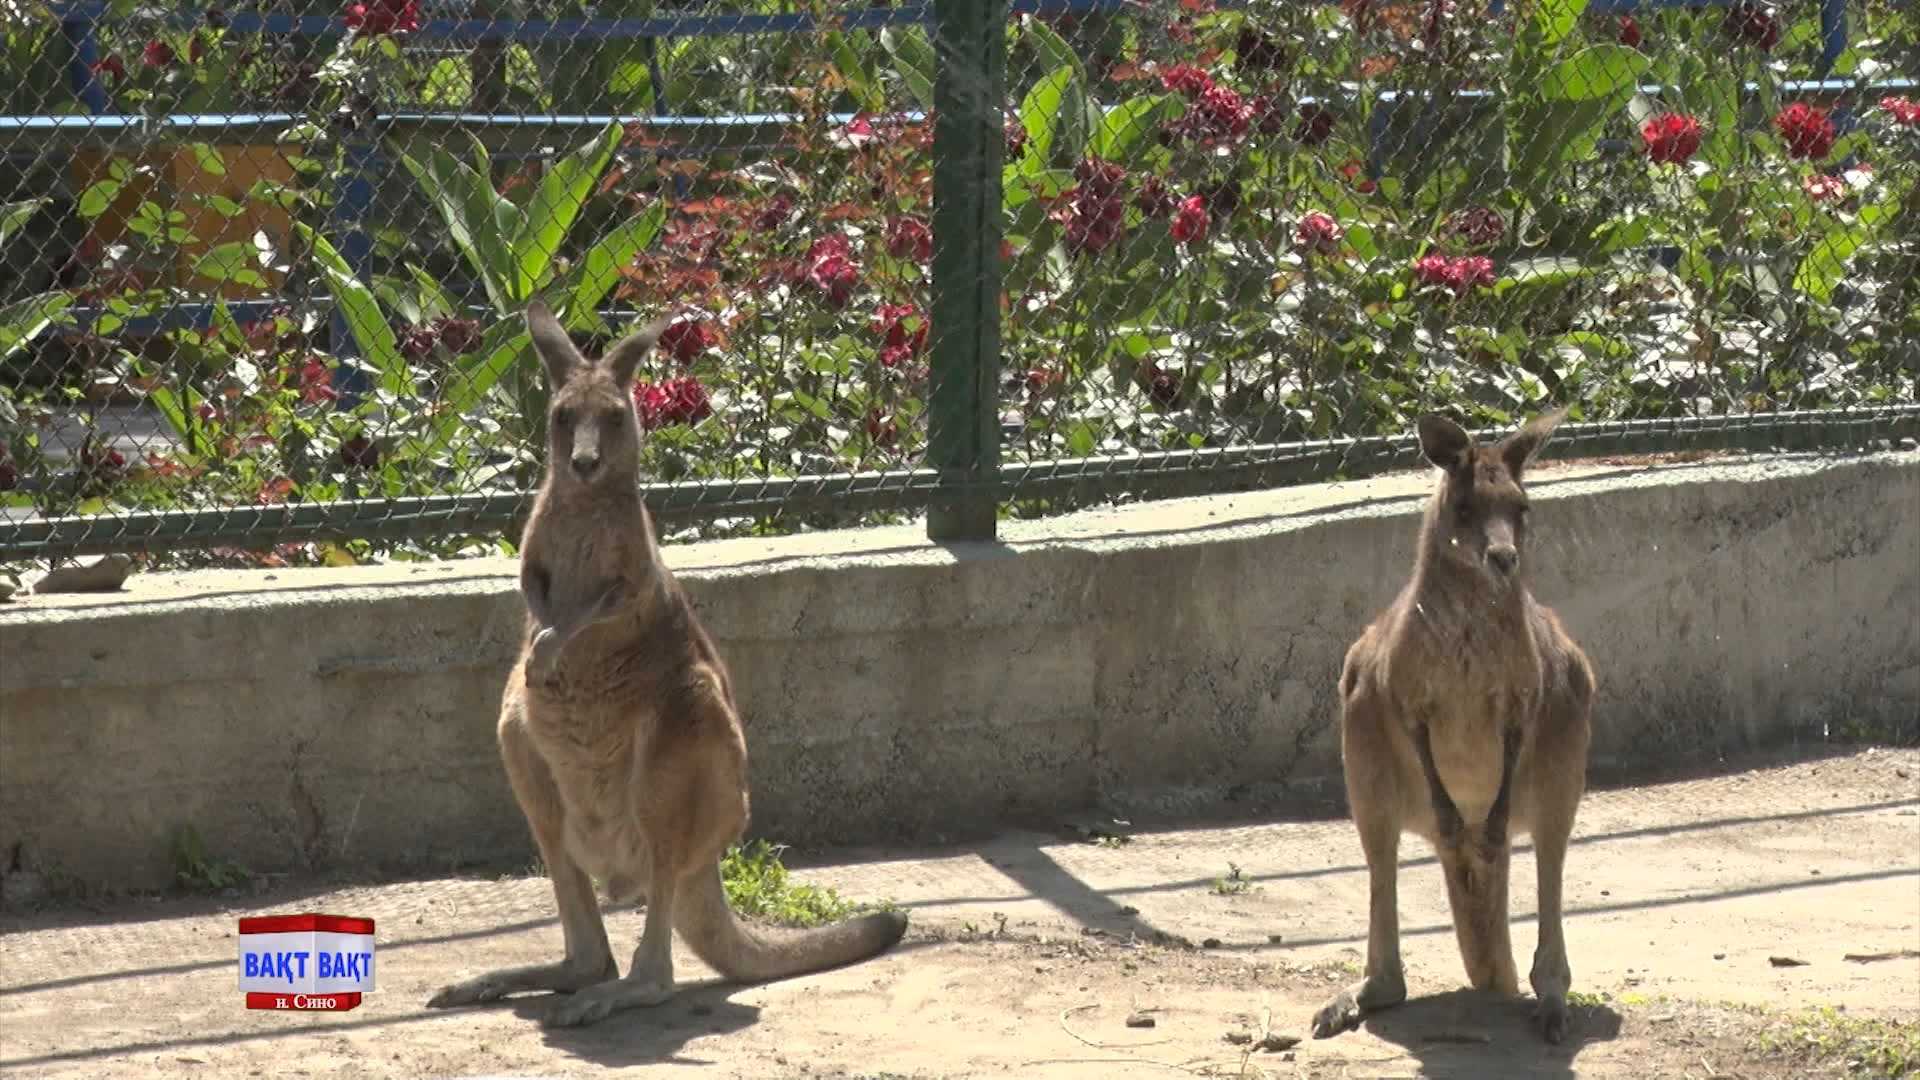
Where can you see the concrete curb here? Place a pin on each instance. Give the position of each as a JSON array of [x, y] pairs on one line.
[[896, 689]]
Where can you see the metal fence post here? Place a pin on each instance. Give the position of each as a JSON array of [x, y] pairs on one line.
[[969, 41]]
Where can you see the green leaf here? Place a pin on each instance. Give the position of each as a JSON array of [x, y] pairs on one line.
[[24, 320], [14, 215], [224, 206], [97, 198], [563, 191], [449, 83], [209, 159], [1127, 123], [1054, 116], [913, 59], [364, 317], [1826, 264], [1054, 51], [1593, 73], [599, 269], [861, 81], [504, 346], [1555, 19], [1547, 270], [466, 202], [433, 299], [237, 262]]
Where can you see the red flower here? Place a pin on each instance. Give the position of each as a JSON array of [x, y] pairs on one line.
[[1154, 200], [460, 336], [1752, 23], [831, 269], [196, 48], [384, 16], [1255, 51], [1671, 138], [1460, 274], [1162, 386], [1823, 188], [1808, 131], [1353, 170], [774, 214], [1222, 112], [1016, 138], [99, 460], [1905, 111], [671, 401], [1190, 221], [1629, 32], [360, 452], [273, 491], [1479, 226], [687, 339], [903, 329], [157, 54], [316, 382], [882, 429], [1315, 125], [1186, 79], [909, 237], [1037, 380], [1318, 232], [1094, 211], [116, 67], [9, 471]]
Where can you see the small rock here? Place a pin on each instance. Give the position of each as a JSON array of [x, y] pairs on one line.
[[1786, 961], [1273, 939], [1210, 943], [105, 574], [1238, 1038], [1274, 1043], [1719, 956], [1129, 910], [1139, 1020]]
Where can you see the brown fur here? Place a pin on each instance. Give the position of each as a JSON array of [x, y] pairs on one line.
[[1465, 717], [618, 727]]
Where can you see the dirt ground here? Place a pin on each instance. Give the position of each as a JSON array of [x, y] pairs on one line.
[[1029, 953]]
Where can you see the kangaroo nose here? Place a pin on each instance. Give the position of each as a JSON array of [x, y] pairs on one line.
[[584, 464], [1504, 558]]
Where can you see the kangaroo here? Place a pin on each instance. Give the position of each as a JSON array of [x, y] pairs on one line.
[[1466, 710], [618, 727]]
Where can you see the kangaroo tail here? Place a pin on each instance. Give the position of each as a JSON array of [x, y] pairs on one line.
[[745, 953]]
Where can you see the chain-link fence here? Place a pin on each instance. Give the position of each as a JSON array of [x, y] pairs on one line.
[[267, 268]]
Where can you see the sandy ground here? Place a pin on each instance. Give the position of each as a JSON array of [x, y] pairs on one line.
[[1029, 952]]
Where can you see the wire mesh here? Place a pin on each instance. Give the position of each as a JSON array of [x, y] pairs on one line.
[[266, 268]]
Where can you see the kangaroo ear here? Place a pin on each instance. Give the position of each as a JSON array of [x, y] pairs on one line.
[[551, 342], [1519, 448], [624, 358], [1445, 443]]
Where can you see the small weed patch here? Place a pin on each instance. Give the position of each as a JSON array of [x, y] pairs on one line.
[[1867, 1048], [1235, 883], [196, 870], [758, 887]]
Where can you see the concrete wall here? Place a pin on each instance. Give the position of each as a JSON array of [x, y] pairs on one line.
[[892, 688]]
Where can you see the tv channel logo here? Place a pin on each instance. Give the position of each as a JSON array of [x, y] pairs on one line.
[[311, 963]]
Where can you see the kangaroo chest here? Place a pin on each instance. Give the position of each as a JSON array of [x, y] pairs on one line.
[[1467, 695]]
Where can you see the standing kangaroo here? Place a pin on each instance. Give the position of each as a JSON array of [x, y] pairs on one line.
[[618, 727], [1465, 715]]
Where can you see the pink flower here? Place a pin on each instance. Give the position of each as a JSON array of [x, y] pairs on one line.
[[831, 269], [1190, 220], [1905, 111], [1822, 188], [1459, 274], [1222, 112], [1318, 232], [384, 16], [316, 382], [1094, 211], [1808, 131], [1186, 79], [687, 339], [671, 401], [909, 237], [1479, 226], [904, 331], [1755, 24]]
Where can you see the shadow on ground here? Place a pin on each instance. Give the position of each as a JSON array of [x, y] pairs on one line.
[[1472, 1036]]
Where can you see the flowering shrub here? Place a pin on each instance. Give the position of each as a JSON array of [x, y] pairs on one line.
[[1216, 231]]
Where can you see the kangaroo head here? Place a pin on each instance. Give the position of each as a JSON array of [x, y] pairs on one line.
[[593, 436], [1478, 519]]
